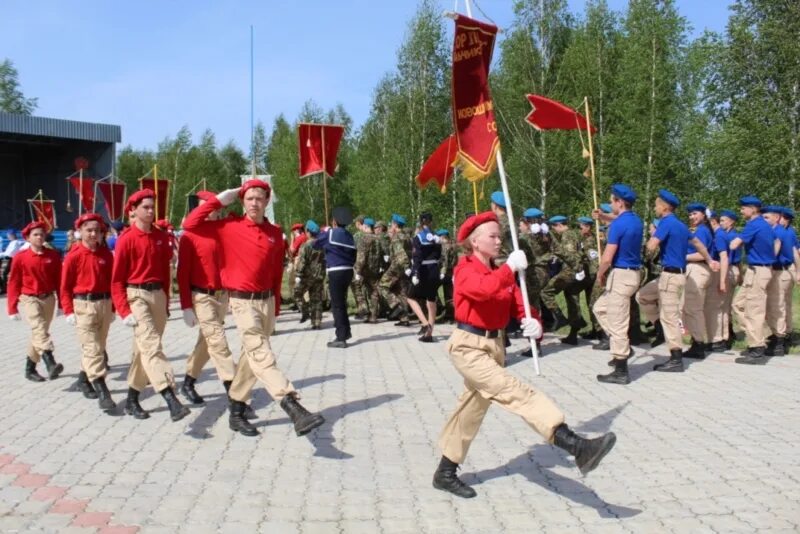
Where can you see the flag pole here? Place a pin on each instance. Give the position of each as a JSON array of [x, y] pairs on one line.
[[80, 191], [591, 168], [515, 242], [475, 196], [155, 185], [324, 175]]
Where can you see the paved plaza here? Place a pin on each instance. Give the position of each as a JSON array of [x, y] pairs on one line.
[[714, 449]]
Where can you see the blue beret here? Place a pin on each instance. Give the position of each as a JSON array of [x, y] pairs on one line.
[[369, 221], [557, 219], [498, 198], [750, 200], [398, 219], [695, 206], [442, 231], [772, 209], [533, 213], [669, 198], [788, 213], [585, 220], [312, 226], [712, 214], [605, 207], [624, 192], [729, 214]]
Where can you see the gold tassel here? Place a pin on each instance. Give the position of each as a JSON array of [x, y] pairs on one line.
[[586, 154], [587, 173]]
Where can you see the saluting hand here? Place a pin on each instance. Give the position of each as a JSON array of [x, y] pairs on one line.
[[228, 196]]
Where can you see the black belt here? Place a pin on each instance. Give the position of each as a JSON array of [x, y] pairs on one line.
[[673, 270], [628, 268], [148, 286], [204, 290], [250, 295], [41, 296], [491, 334], [91, 297], [781, 267]]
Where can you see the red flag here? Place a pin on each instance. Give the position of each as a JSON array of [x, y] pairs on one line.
[[319, 146], [114, 196], [473, 109], [42, 210], [551, 115], [162, 194], [87, 194], [439, 165]]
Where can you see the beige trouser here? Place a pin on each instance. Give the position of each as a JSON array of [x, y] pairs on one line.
[[750, 304], [660, 300], [39, 314], [211, 342], [718, 306], [255, 320], [613, 309], [698, 280], [92, 320], [480, 361], [779, 297], [789, 316], [149, 364]]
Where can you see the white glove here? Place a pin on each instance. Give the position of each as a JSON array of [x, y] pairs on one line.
[[531, 328], [536, 228], [386, 259], [580, 276], [130, 320], [297, 280], [545, 228], [228, 196], [70, 319], [593, 254], [433, 238], [441, 276], [14, 317], [408, 272], [357, 277], [517, 261], [415, 280], [189, 317]]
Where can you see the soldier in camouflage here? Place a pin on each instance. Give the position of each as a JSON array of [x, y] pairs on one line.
[[591, 262], [357, 286], [394, 282], [447, 263], [382, 231], [498, 206], [310, 278], [367, 269]]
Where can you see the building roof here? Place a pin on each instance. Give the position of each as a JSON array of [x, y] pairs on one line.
[[13, 123]]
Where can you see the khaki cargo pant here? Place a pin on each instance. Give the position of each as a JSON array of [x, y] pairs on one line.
[[480, 361], [39, 314], [92, 320], [660, 300], [211, 341], [750, 304], [255, 320], [613, 309], [698, 281], [779, 298], [718, 306], [149, 364]]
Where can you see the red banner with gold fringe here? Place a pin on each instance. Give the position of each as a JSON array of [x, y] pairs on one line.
[[162, 194]]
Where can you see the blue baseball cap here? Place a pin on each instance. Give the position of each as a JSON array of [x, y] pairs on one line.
[[533, 213], [398, 219], [624, 192], [788, 213], [369, 221], [605, 207], [555, 219], [312, 226], [498, 198], [772, 209], [585, 220], [669, 198], [750, 200], [442, 231], [729, 214], [695, 206]]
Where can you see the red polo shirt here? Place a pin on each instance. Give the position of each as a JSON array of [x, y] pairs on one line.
[[139, 258], [85, 271], [198, 265], [32, 274]]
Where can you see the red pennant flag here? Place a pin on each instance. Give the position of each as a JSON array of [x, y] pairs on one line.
[[473, 109], [42, 210], [549, 114], [319, 146], [439, 165], [87, 194], [114, 197], [162, 195]]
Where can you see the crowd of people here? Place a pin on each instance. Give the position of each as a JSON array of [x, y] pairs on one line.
[[682, 277]]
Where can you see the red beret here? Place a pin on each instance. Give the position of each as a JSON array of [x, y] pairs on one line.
[[137, 197], [473, 222], [205, 196], [249, 184], [31, 227], [86, 217], [297, 226]]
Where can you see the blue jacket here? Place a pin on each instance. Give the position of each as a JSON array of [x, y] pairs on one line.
[[339, 247]]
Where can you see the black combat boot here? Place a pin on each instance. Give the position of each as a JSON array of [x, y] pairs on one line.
[[697, 351], [604, 343], [396, 312], [177, 411], [718, 346], [104, 399], [132, 406], [445, 479], [572, 337], [673, 365], [83, 385], [304, 316], [558, 319], [304, 422], [587, 452], [31, 373], [53, 369], [238, 422], [753, 356], [787, 342], [188, 391], [618, 376], [427, 334], [591, 334], [776, 347], [249, 412], [658, 338]]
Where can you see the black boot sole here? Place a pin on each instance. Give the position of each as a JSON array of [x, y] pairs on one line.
[[751, 361], [35, 378], [137, 415], [107, 405], [606, 445], [177, 416], [601, 346], [611, 379], [662, 368], [248, 431], [313, 422], [568, 341], [55, 371], [192, 397], [463, 491]]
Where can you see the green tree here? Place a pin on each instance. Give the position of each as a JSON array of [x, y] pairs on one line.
[[11, 98]]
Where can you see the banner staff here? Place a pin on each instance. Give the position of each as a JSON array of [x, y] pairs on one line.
[[324, 176], [591, 168]]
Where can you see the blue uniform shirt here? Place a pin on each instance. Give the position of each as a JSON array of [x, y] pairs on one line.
[[759, 240], [703, 233], [626, 232], [787, 239], [674, 237], [722, 241], [339, 247]]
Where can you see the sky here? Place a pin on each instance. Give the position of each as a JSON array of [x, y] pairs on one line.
[[153, 66]]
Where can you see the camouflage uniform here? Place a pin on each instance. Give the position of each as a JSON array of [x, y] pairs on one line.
[[566, 249], [591, 263], [310, 269], [369, 258], [393, 285], [539, 269], [507, 246], [357, 286], [447, 262]]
